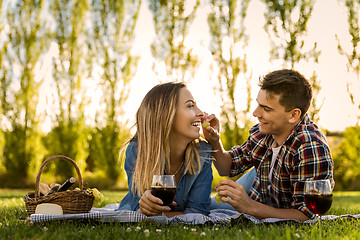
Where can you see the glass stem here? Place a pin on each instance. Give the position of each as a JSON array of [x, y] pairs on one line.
[[319, 222]]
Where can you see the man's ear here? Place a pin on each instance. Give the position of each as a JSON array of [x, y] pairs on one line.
[[294, 115]]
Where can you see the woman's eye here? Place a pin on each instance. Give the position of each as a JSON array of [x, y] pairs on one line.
[[191, 105]]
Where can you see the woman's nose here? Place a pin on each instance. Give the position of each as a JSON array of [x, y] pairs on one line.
[[199, 112]]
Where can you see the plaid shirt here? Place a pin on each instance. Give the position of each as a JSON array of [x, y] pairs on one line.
[[304, 155]]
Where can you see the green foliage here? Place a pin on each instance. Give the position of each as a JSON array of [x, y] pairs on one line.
[[26, 42], [68, 140], [68, 25], [4, 83], [286, 26], [314, 109], [113, 54], [69, 137], [353, 56], [347, 160], [232, 136], [93, 42], [226, 21], [17, 151], [172, 21], [16, 160], [2, 142], [105, 147]]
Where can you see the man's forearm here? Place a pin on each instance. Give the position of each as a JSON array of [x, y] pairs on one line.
[[222, 160], [261, 211]]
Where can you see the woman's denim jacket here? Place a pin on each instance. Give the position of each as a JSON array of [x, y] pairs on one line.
[[193, 191]]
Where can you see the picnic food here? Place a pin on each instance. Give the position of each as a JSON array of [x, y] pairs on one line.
[[44, 188], [54, 184], [218, 198], [205, 124], [70, 201], [98, 196], [49, 209]]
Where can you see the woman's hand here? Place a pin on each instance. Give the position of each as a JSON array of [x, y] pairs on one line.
[[151, 205]]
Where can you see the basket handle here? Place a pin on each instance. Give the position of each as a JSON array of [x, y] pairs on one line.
[[37, 184]]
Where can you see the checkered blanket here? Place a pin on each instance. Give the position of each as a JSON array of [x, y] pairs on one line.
[[218, 216]]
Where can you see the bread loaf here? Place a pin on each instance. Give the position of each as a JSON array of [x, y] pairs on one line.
[[44, 188]]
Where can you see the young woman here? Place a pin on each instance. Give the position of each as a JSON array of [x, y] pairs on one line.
[[167, 141]]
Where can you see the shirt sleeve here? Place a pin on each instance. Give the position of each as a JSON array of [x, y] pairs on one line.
[[131, 200], [198, 199], [241, 159], [314, 161]]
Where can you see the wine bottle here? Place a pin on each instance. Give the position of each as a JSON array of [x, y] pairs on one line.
[[53, 190], [65, 186]]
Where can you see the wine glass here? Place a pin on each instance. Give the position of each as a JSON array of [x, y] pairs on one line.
[[318, 196], [164, 187]]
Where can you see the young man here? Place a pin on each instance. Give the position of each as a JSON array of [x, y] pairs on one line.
[[285, 148]]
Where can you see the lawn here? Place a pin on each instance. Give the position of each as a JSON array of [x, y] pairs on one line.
[[13, 225]]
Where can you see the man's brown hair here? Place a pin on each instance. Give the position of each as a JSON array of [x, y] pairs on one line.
[[294, 89]]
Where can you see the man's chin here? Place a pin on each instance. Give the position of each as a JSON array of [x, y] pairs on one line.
[[263, 130]]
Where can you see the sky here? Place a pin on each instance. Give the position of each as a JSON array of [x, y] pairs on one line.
[[328, 19]]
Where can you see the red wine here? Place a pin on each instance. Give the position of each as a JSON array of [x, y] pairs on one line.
[[166, 194], [319, 203]]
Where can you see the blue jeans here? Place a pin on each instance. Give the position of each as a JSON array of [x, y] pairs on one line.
[[245, 180]]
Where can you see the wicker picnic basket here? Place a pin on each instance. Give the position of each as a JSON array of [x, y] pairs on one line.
[[72, 201]]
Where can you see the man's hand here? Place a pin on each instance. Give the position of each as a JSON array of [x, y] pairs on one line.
[[211, 133], [235, 194], [151, 205], [237, 197]]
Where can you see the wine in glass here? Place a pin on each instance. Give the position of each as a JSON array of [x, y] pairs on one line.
[[318, 196], [164, 187]]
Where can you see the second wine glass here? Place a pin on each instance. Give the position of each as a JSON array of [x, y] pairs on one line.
[[318, 195]]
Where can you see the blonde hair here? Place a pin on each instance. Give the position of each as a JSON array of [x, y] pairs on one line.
[[154, 120]]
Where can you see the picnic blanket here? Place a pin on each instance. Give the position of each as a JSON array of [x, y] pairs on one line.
[[109, 213]]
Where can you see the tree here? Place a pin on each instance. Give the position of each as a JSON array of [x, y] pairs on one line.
[[353, 57], [228, 44], [27, 41], [4, 81], [69, 136], [172, 20], [286, 25], [346, 156], [114, 23]]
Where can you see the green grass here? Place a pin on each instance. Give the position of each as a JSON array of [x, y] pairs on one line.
[[13, 225]]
